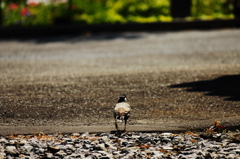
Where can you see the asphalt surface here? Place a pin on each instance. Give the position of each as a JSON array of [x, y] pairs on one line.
[[174, 81]]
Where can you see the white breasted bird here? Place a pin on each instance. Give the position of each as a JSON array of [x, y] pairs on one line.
[[122, 111]]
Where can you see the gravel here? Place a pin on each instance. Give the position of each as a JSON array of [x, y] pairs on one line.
[[120, 145]]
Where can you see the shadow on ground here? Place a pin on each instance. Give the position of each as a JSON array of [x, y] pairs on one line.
[[75, 38], [225, 86]]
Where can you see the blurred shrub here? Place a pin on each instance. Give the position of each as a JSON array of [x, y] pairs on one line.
[[119, 11], [95, 11], [212, 9], [16, 12]]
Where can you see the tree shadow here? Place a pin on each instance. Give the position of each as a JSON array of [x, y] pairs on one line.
[[79, 38], [225, 86], [74, 38]]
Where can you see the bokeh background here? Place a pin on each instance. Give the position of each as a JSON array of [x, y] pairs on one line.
[[55, 12]]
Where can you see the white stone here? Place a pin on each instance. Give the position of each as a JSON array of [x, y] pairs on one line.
[[157, 154], [23, 142], [61, 147], [12, 150], [102, 146], [71, 147], [167, 148], [2, 155], [28, 148], [166, 134], [3, 140], [60, 153], [49, 155], [231, 156], [84, 135], [76, 134]]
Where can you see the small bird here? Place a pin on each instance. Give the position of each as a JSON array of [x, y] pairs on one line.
[[122, 111]]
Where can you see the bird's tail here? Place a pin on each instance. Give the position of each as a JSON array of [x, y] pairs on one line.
[[120, 117]]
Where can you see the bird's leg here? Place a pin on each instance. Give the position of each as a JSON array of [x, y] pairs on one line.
[[116, 124], [125, 125]]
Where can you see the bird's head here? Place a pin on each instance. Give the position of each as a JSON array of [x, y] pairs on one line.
[[122, 98]]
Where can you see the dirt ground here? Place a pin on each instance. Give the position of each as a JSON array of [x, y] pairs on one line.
[[174, 81]]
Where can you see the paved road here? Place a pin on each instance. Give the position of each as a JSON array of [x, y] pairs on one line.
[[174, 81]]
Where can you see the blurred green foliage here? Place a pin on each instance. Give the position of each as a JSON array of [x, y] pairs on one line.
[[212, 9], [119, 11], [109, 11]]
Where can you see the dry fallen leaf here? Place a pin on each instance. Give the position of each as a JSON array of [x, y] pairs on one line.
[[216, 127]]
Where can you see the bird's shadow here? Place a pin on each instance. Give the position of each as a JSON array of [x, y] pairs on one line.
[[225, 86]]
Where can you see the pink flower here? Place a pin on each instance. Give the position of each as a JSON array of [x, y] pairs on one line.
[[13, 6], [25, 12]]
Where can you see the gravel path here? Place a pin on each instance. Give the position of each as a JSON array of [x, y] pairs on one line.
[[173, 80], [120, 145]]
